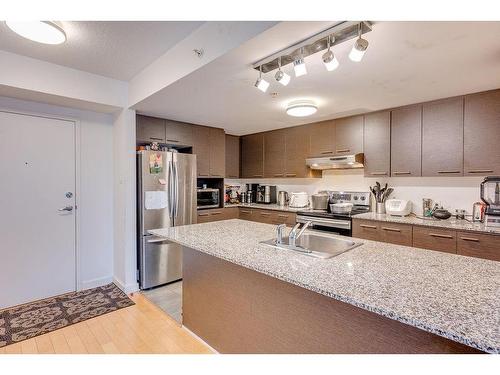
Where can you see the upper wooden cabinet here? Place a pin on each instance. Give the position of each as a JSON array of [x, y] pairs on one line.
[[274, 153], [150, 129], [252, 156], [178, 133], [377, 144], [406, 141], [201, 147], [322, 138], [482, 133], [349, 135], [217, 152], [296, 152], [232, 156], [442, 137]]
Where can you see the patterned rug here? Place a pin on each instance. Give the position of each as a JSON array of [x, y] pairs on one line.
[[33, 319]]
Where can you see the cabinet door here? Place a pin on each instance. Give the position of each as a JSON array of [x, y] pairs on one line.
[[245, 213], [252, 156], [232, 156], [406, 131], [150, 129], [217, 152], [482, 133], [178, 133], [203, 216], [366, 229], [201, 147], [274, 153], [231, 213], [263, 216], [283, 217], [435, 239], [399, 234], [486, 246], [296, 152], [443, 138], [377, 144], [322, 138], [349, 135]]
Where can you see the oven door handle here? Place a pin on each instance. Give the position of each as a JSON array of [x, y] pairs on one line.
[[325, 222]]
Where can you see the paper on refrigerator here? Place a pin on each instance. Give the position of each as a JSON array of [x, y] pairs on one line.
[[155, 200]]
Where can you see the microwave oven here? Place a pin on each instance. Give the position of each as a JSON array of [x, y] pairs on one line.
[[207, 198]]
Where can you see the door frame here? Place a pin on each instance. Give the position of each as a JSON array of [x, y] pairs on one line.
[[77, 140]]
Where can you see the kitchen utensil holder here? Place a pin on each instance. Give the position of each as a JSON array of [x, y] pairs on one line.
[[380, 208]]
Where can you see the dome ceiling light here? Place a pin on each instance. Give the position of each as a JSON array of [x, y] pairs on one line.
[[46, 32], [324, 40], [301, 108]]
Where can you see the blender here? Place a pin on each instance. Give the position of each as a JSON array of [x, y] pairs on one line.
[[490, 194]]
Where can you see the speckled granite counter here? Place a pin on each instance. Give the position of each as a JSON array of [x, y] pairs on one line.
[[263, 206], [452, 296], [413, 220]]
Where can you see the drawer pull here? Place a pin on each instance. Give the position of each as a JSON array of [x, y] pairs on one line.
[[472, 239], [290, 174], [173, 140], [278, 175], [265, 214], [405, 172], [481, 171], [391, 229], [440, 235], [344, 150], [281, 215], [216, 175], [156, 139], [203, 174], [326, 152], [245, 212], [448, 172], [378, 173], [368, 226], [216, 213], [203, 214]]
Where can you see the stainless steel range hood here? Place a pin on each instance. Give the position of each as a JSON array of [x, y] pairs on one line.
[[337, 162]]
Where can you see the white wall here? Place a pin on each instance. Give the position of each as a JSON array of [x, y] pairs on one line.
[[451, 192], [96, 187]]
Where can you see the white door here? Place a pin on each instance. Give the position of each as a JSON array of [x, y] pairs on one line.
[[37, 181]]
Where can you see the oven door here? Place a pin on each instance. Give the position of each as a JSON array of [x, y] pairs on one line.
[[335, 226], [207, 198]]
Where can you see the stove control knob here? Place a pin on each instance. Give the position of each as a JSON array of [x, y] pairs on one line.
[[363, 198], [355, 197]]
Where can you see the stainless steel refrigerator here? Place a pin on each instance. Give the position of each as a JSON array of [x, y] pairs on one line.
[[166, 197]]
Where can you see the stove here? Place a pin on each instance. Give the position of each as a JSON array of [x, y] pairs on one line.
[[327, 221]]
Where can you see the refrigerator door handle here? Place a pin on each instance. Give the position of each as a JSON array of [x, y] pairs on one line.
[[170, 188], [176, 189]]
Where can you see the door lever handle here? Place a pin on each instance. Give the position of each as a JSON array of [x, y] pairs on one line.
[[67, 208]]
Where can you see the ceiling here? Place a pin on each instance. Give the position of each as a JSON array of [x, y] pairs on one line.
[[115, 49], [406, 62]]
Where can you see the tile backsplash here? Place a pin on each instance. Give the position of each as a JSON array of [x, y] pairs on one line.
[[450, 192]]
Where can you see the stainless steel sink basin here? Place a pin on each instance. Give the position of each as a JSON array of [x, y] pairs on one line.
[[316, 245]]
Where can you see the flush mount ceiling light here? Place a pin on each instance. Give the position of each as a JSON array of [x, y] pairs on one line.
[[261, 83], [47, 32], [359, 48], [301, 108], [329, 59], [281, 76]]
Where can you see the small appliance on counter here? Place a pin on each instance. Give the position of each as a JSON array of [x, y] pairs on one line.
[[266, 194], [380, 194], [490, 194], [320, 201], [441, 213], [427, 207], [282, 198], [398, 207], [207, 198], [299, 200], [251, 193], [478, 210]]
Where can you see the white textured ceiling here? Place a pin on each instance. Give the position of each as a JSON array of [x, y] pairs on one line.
[[115, 49], [406, 62]]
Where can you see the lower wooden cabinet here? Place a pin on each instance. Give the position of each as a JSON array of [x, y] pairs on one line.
[[477, 245], [435, 239], [216, 214], [267, 216], [367, 229], [398, 234]]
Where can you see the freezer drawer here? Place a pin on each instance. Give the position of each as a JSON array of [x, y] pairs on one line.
[[161, 262]]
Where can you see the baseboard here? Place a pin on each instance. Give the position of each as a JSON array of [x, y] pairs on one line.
[[126, 288], [93, 283]]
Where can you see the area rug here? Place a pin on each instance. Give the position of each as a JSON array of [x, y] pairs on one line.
[[33, 319]]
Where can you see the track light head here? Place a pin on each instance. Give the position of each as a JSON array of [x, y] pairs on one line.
[[330, 61], [299, 66], [282, 77]]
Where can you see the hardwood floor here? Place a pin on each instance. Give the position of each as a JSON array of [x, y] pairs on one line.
[[142, 328]]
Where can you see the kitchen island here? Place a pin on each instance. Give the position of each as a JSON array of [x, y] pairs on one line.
[[244, 297]]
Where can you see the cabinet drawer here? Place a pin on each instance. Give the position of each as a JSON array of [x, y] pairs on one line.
[[203, 217], [231, 213], [245, 213], [262, 216], [486, 246], [366, 229], [288, 218], [435, 239], [399, 234]]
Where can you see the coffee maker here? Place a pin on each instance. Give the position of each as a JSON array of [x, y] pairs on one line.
[[490, 194], [252, 189], [266, 194]]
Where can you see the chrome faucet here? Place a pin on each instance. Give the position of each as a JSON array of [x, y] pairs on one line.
[[279, 233], [294, 236]]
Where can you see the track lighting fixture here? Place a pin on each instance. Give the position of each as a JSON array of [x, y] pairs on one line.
[[359, 47], [261, 83], [281, 76], [329, 59]]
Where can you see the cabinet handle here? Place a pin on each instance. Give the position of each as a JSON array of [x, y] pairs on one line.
[[378, 173], [406, 172], [368, 226], [446, 172], [278, 175], [281, 215], [291, 174], [257, 175], [203, 214], [265, 214], [173, 140], [326, 152], [203, 174], [481, 171], [440, 235], [469, 239], [216, 175], [216, 213], [344, 150], [156, 139], [391, 229], [245, 212]]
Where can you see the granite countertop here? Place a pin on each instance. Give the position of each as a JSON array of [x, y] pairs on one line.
[[451, 223], [453, 296], [273, 206]]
